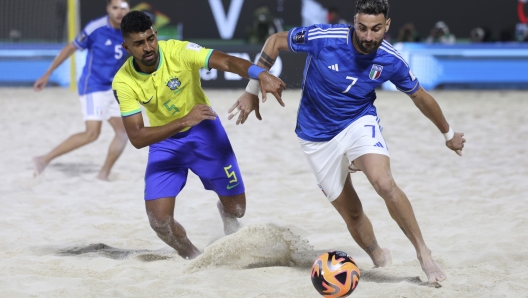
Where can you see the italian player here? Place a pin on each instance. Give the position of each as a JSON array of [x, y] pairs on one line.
[[337, 124], [102, 38], [185, 133]]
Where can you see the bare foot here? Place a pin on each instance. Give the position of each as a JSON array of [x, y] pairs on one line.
[[431, 268], [39, 164], [102, 176], [231, 224], [382, 259]]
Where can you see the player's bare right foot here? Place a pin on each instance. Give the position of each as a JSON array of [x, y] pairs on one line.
[[39, 164], [433, 271]]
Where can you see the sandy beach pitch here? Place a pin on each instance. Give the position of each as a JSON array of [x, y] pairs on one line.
[[67, 234]]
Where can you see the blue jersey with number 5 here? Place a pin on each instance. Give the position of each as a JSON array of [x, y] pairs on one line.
[[105, 55], [339, 82]]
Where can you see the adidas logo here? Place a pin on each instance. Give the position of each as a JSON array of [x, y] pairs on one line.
[[334, 67], [378, 144], [108, 42]]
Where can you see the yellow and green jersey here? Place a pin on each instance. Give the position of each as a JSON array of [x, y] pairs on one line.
[[171, 91]]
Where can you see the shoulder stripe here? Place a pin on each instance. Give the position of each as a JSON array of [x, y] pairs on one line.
[[95, 25], [390, 47], [329, 29], [328, 36], [394, 54], [326, 33]]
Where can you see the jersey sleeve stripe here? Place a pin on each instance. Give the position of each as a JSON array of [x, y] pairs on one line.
[[131, 113], [77, 45], [206, 62], [327, 36], [410, 91]]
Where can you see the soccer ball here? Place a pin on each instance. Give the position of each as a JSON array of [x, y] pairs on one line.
[[335, 274]]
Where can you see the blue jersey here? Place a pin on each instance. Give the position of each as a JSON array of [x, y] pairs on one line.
[[339, 82], [105, 55]]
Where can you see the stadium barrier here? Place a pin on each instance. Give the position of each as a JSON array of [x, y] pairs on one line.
[[483, 66], [464, 66]]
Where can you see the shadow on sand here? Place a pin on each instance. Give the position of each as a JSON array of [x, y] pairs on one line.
[[107, 251]]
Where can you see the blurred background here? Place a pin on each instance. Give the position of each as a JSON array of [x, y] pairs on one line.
[[449, 44]]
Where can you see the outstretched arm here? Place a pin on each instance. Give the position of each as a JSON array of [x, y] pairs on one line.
[[269, 83], [248, 101], [430, 108], [66, 52]]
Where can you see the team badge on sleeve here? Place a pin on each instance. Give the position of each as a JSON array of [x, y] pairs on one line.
[[300, 37], [375, 72], [194, 47]]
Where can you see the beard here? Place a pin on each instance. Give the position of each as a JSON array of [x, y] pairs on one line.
[[149, 62], [367, 47]]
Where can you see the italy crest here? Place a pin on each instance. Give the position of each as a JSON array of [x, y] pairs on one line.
[[375, 72]]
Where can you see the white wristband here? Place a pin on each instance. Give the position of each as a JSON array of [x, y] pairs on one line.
[[449, 135], [253, 87]]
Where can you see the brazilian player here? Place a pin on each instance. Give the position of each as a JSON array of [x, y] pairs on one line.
[[185, 133], [337, 124], [102, 38]]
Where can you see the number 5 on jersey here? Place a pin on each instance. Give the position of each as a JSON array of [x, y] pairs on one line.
[[354, 80]]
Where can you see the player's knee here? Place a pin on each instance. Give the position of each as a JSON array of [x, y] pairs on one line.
[[160, 224], [239, 211], [386, 188], [92, 135], [355, 214]]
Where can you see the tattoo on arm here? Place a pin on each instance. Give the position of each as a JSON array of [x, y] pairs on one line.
[[372, 247], [265, 63], [266, 60]]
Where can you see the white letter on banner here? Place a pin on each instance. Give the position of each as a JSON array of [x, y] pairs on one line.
[[226, 23]]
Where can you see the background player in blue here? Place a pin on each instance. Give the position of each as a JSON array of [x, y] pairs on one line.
[[337, 124], [102, 38]]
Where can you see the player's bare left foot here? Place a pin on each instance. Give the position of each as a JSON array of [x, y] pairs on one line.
[[231, 224], [39, 165], [383, 258], [432, 270]]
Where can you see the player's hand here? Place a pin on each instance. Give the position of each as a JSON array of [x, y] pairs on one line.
[[198, 114], [272, 84], [244, 105], [456, 143], [41, 82]]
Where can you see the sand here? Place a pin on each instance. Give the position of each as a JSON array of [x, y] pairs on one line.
[[67, 234]]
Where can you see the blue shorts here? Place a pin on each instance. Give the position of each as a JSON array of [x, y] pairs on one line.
[[204, 149]]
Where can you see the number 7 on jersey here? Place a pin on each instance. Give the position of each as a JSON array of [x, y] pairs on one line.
[[354, 80]]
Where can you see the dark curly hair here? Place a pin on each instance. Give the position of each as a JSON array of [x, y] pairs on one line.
[[373, 7], [134, 22]]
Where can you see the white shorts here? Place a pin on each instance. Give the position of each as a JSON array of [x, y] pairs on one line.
[[99, 106], [329, 161]]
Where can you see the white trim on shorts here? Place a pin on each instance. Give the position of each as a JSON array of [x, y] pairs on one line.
[[99, 106], [330, 160]]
